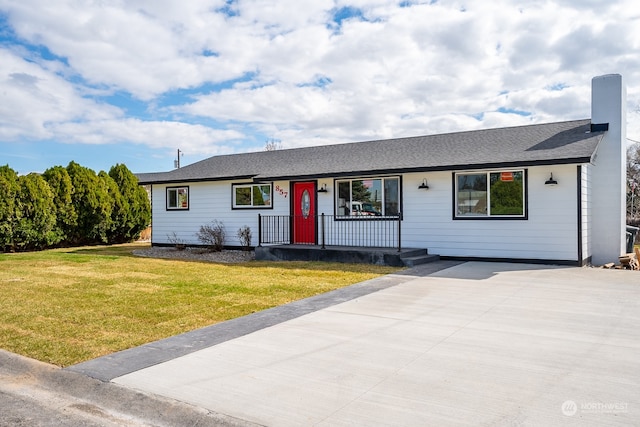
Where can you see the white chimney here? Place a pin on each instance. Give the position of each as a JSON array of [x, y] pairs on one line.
[[608, 173]]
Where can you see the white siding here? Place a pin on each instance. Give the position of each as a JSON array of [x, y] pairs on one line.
[[210, 201], [325, 200], [549, 233]]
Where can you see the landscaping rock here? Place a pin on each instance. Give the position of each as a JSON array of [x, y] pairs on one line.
[[196, 254]]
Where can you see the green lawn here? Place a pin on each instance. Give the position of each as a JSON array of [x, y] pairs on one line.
[[65, 306]]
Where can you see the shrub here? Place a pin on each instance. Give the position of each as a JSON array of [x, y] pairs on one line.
[[212, 235], [244, 235], [176, 241]]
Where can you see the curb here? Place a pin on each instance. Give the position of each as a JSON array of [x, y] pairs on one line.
[[108, 399]]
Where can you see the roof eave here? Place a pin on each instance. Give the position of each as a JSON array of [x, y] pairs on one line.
[[191, 180], [453, 168]]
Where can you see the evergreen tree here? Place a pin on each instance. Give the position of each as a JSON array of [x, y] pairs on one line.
[[62, 189], [139, 214], [92, 204], [9, 189], [117, 225], [35, 227]]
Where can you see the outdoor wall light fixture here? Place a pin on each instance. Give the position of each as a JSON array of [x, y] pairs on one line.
[[323, 189], [551, 181], [424, 185]]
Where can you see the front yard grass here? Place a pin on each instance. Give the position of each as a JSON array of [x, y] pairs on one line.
[[65, 306]]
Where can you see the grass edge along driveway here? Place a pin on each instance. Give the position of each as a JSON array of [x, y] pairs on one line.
[[66, 306]]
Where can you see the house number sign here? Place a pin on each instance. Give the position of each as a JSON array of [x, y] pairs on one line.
[[281, 191]]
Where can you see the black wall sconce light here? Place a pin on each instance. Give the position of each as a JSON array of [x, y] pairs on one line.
[[323, 189], [551, 181], [424, 185]]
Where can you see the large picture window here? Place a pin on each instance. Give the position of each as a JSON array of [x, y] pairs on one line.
[[248, 196], [500, 194], [177, 198], [368, 197]]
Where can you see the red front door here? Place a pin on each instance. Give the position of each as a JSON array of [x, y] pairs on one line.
[[304, 212]]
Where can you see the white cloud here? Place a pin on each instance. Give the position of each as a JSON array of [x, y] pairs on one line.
[[192, 138], [416, 70], [138, 48], [33, 97], [39, 105]]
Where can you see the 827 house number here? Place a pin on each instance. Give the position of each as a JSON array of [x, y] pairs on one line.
[[282, 191]]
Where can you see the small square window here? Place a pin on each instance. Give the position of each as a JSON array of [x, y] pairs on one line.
[[177, 198]]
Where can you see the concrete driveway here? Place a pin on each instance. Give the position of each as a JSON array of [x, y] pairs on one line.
[[474, 344]]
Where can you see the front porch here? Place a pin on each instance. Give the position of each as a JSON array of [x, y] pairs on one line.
[[408, 257], [329, 238], [331, 230]]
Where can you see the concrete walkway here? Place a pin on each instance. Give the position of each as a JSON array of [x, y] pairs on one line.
[[474, 344]]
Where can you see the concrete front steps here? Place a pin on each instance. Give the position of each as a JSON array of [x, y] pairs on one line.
[[422, 256], [409, 257]]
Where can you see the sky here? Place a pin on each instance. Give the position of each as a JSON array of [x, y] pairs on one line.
[[103, 82]]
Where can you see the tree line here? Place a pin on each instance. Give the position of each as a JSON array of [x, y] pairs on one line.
[[70, 206]]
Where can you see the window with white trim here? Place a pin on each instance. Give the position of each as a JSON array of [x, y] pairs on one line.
[[251, 196], [177, 198], [495, 194], [368, 197]]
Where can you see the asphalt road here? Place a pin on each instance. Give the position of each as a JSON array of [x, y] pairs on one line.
[[25, 406]]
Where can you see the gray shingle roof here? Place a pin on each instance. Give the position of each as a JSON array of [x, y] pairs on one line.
[[552, 143]]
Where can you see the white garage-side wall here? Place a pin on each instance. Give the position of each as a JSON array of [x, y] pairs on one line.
[[549, 233], [210, 201]]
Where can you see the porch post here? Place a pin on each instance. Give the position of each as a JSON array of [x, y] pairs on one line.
[[259, 230], [399, 232], [322, 228]]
